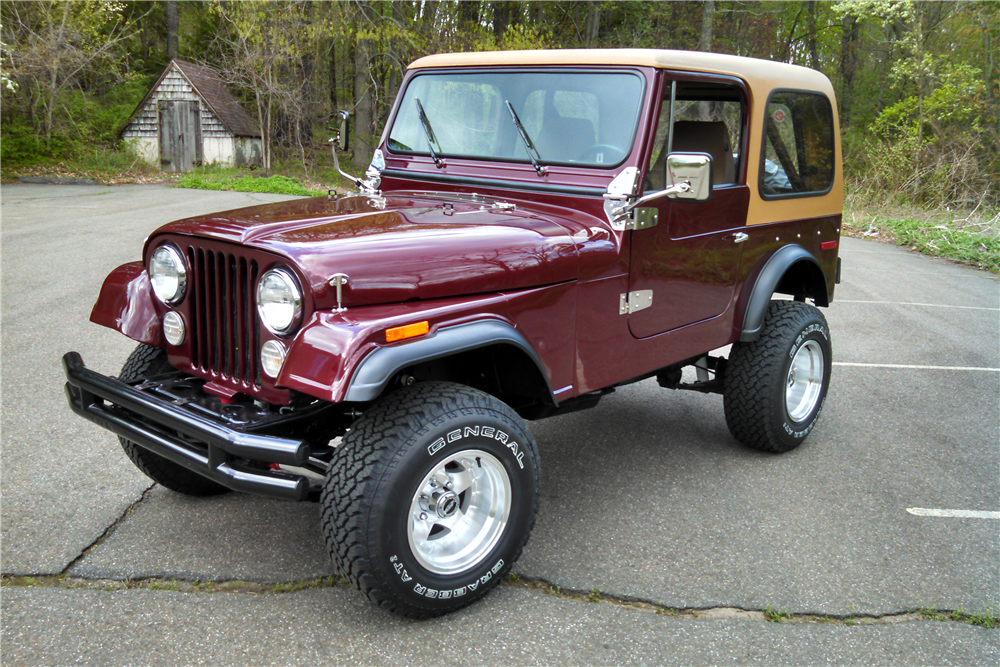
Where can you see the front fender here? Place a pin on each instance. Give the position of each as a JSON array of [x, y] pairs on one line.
[[344, 357], [126, 305], [378, 368]]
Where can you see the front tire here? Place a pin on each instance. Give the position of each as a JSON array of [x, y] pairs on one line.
[[775, 386], [146, 361], [430, 498]]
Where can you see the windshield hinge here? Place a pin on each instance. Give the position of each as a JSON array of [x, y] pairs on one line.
[[635, 301], [642, 218]]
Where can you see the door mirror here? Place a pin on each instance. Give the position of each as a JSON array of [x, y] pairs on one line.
[[340, 124], [693, 169]]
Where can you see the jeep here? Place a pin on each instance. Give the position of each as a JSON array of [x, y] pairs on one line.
[[536, 229]]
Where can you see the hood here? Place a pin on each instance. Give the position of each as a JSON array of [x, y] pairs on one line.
[[401, 246]]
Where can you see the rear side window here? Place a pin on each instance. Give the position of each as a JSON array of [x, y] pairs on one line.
[[798, 155]]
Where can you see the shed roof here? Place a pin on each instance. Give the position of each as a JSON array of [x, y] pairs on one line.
[[759, 74], [210, 86]]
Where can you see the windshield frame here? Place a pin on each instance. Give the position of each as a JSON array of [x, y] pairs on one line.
[[629, 149]]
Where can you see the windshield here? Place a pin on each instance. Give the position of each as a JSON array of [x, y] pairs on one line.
[[580, 118]]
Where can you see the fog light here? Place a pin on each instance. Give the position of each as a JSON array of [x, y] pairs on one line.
[[272, 356], [173, 328]]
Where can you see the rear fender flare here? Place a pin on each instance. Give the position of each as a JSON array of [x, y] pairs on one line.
[[377, 370], [769, 278]]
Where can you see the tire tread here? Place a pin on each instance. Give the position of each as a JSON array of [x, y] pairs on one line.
[[750, 373], [361, 460]]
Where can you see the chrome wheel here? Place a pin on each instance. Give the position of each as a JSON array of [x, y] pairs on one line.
[[804, 384], [459, 512]]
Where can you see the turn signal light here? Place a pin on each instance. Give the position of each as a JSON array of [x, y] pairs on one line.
[[406, 331]]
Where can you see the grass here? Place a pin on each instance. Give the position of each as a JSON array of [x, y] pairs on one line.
[[971, 238], [776, 616], [988, 619], [105, 165], [173, 585], [309, 175], [242, 180]]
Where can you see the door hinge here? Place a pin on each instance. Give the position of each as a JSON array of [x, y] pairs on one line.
[[635, 301]]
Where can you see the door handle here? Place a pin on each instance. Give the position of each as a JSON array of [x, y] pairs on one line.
[[740, 237]]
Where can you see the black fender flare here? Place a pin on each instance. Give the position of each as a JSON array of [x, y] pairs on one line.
[[376, 370], [767, 281]]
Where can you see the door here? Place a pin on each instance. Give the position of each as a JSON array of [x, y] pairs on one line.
[[180, 135], [690, 260]]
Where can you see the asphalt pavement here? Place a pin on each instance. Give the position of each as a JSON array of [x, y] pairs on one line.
[[646, 499]]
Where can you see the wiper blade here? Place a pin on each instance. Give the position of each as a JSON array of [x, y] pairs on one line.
[[428, 132], [528, 145]]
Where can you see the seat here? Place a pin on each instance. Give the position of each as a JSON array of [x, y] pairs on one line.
[[707, 137], [697, 137]]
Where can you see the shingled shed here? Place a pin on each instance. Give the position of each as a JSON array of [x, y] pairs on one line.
[[190, 117]]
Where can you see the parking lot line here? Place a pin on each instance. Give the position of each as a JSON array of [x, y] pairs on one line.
[[925, 274], [915, 367], [925, 305], [955, 514]]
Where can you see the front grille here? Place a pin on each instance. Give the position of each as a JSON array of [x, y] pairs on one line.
[[225, 333]]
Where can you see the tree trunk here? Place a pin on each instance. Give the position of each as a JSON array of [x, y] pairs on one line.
[[813, 54], [593, 25], [501, 19], [848, 66], [919, 31], [705, 43], [173, 24], [394, 64], [362, 94], [468, 14]]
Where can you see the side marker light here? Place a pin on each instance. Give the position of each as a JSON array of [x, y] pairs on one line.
[[406, 331], [827, 245]]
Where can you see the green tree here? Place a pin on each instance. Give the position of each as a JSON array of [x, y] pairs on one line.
[[55, 47]]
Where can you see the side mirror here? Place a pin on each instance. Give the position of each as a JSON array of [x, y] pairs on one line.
[[342, 140], [693, 169], [689, 176]]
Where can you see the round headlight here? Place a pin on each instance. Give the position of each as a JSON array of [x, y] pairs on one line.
[[173, 328], [272, 357], [167, 274], [279, 301]]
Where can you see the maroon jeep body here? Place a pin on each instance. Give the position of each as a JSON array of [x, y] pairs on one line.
[[536, 229]]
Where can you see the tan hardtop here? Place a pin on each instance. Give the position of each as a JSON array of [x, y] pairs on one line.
[[760, 75]]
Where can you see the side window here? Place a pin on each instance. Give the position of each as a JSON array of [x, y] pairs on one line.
[[707, 118], [798, 145]]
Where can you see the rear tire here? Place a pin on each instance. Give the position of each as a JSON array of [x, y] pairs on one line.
[[775, 386], [146, 361], [430, 498]]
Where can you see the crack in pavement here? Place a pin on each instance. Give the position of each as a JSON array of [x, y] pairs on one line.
[[989, 620], [107, 531]]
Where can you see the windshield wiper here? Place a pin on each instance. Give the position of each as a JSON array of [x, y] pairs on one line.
[[428, 132], [528, 145]]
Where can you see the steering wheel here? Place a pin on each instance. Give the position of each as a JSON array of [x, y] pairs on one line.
[[616, 154]]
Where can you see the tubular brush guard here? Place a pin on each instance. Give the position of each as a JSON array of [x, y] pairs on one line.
[[203, 444]]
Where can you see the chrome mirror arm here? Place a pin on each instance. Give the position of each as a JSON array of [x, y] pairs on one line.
[[369, 185], [622, 211], [336, 163]]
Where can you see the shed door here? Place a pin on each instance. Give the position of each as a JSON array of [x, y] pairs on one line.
[[180, 135]]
